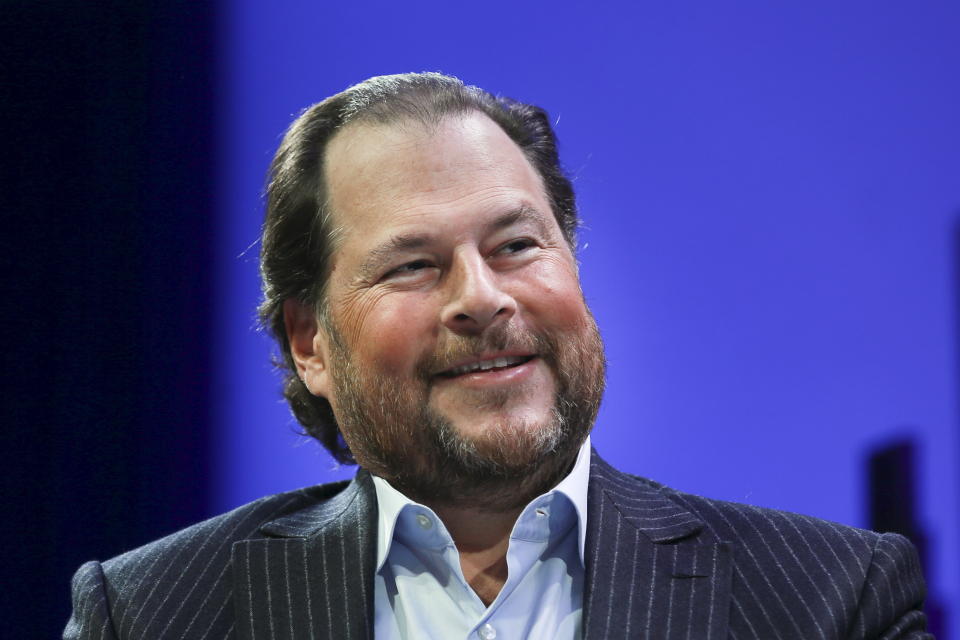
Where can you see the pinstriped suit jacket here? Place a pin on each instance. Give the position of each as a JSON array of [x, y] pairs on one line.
[[660, 564]]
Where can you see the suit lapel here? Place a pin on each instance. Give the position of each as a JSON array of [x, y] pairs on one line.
[[651, 572], [316, 579]]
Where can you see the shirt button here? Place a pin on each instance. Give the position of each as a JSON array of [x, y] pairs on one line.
[[487, 632], [424, 521]]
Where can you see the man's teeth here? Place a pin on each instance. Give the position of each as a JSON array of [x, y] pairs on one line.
[[485, 365]]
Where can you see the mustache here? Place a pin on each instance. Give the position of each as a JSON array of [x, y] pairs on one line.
[[456, 348]]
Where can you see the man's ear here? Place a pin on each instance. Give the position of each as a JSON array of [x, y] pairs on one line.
[[308, 346]]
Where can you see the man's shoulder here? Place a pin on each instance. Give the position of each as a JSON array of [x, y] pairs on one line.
[[756, 524], [761, 530], [183, 582], [783, 571], [214, 537]]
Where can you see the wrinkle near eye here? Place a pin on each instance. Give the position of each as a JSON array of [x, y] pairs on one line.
[[355, 307]]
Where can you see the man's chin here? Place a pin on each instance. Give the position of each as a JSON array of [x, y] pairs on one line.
[[499, 469], [520, 436], [501, 457], [487, 446]]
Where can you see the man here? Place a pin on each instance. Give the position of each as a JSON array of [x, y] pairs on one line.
[[419, 275]]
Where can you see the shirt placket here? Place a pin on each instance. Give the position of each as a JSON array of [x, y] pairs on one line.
[[527, 541]]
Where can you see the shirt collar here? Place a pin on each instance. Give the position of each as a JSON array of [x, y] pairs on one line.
[[574, 486], [391, 502]]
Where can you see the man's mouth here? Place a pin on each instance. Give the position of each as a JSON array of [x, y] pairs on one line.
[[486, 364]]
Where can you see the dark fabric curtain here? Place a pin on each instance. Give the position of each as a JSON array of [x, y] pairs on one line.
[[106, 201]]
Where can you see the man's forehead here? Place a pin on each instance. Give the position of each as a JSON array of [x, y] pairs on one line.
[[360, 146], [401, 169], [359, 142]]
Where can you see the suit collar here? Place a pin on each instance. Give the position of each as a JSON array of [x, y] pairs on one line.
[[646, 559], [314, 577], [651, 570], [328, 505], [642, 503]]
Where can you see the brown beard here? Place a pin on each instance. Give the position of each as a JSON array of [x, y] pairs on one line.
[[393, 432]]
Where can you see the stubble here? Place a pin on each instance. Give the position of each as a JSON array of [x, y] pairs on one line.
[[394, 433]]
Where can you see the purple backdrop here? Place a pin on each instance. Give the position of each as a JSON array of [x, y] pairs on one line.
[[768, 194]]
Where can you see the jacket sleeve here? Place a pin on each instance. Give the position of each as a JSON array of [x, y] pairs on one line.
[[91, 612], [891, 599]]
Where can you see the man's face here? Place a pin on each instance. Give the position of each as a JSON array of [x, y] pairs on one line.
[[456, 320]]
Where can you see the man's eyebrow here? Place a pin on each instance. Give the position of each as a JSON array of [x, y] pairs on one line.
[[524, 213], [386, 250]]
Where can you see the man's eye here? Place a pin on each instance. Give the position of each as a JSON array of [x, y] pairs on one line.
[[515, 246], [410, 268]]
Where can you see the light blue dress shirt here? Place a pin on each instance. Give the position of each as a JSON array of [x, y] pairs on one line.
[[420, 591]]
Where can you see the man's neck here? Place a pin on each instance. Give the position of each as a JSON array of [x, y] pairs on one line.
[[482, 539], [481, 534]]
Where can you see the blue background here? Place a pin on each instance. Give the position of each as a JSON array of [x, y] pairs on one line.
[[768, 196], [771, 245]]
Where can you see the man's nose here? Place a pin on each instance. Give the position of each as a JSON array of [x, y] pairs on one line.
[[476, 300]]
